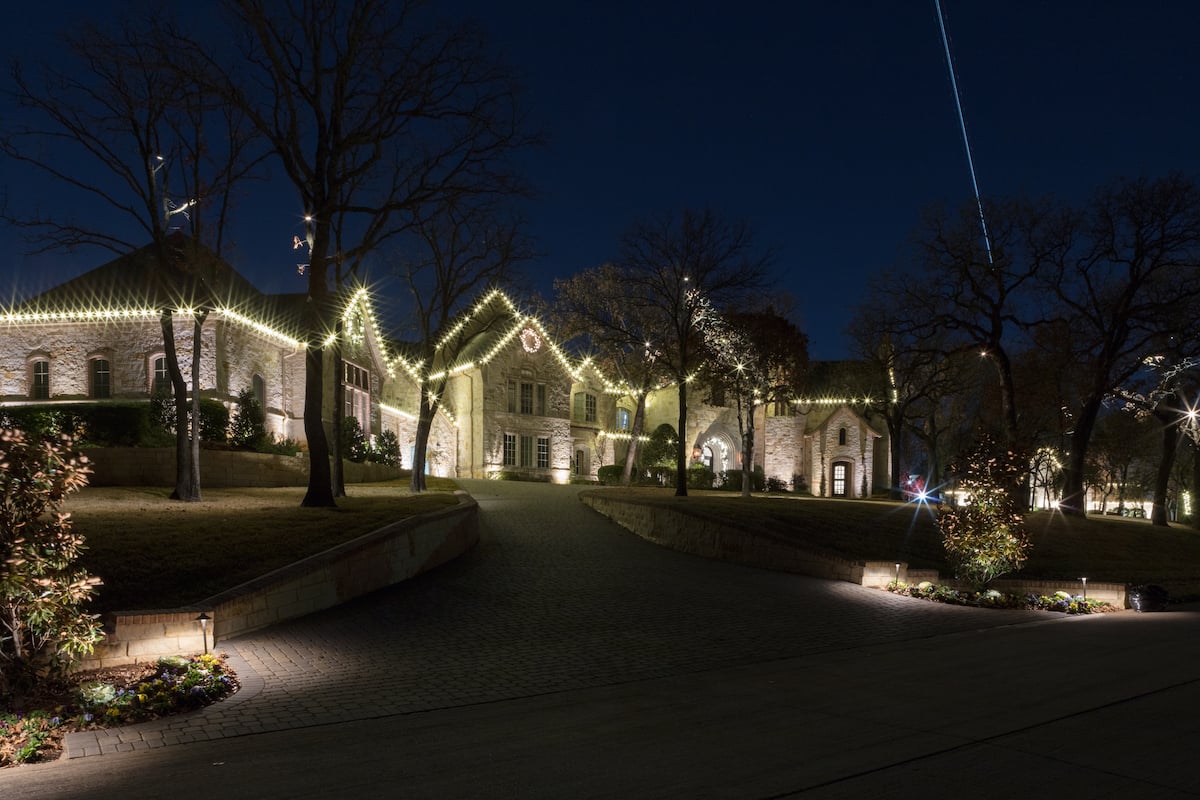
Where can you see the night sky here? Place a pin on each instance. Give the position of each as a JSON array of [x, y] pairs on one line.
[[827, 126]]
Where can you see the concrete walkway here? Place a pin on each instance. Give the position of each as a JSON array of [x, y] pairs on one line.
[[565, 657]]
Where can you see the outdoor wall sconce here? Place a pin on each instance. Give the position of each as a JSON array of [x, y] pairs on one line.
[[204, 619]]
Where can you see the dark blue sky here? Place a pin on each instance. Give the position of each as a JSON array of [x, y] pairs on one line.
[[827, 126]]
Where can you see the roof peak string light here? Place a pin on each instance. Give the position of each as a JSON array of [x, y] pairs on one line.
[[962, 124]]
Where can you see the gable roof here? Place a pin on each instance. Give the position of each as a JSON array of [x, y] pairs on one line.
[[187, 275]]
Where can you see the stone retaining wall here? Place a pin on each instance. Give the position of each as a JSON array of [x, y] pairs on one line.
[[155, 466], [718, 539], [714, 538], [373, 561]]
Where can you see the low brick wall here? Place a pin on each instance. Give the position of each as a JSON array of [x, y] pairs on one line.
[[155, 466], [373, 561], [718, 539]]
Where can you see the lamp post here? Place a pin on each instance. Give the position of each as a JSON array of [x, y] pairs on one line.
[[204, 619]]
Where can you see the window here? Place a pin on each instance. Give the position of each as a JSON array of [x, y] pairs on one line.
[[526, 397], [40, 386], [543, 452], [526, 451], [841, 436], [510, 450], [160, 381], [839, 480], [357, 391], [585, 407], [101, 378], [622, 422]]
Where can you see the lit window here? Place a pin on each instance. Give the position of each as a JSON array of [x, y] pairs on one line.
[[510, 450], [839, 480], [101, 378], [41, 380], [161, 382], [585, 407], [357, 393], [543, 452], [623, 423]]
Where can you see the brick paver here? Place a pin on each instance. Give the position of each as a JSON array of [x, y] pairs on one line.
[[555, 598]]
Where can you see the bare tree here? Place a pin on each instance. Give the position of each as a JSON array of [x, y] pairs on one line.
[[459, 249], [593, 307], [671, 264], [132, 133], [374, 111], [915, 371], [1129, 263], [974, 301], [758, 358]]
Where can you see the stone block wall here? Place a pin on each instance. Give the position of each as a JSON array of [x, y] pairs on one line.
[[145, 466], [373, 561]]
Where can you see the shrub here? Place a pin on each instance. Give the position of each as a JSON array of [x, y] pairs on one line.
[[43, 591], [354, 443], [700, 477], [610, 475], [214, 421], [985, 538], [246, 429], [660, 450], [387, 449], [731, 480]]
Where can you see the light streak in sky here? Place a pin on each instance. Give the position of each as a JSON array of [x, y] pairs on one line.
[[962, 124]]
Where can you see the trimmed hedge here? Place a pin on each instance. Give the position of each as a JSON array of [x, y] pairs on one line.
[[96, 424]]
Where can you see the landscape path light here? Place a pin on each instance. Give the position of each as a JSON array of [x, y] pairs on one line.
[[204, 619]]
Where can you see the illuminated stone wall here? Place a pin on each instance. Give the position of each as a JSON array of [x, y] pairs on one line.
[[858, 453], [781, 448]]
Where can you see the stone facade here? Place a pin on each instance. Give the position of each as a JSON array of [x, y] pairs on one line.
[[513, 403]]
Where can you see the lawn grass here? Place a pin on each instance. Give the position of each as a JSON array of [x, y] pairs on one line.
[[153, 552], [1099, 548]]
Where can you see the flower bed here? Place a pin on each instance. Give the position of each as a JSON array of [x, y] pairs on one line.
[[113, 697], [1063, 602]]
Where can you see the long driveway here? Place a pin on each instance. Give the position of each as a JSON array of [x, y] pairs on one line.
[[566, 657]]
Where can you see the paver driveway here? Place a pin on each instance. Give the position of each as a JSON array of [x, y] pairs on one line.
[[554, 598]]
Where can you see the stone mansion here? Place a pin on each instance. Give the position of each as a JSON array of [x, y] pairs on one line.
[[515, 401]]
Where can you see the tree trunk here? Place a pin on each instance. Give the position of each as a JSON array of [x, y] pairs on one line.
[[339, 410], [639, 420], [748, 453], [194, 467], [320, 488], [421, 445], [1008, 402], [179, 391], [681, 463], [1168, 417], [1073, 499], [895, 426]]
